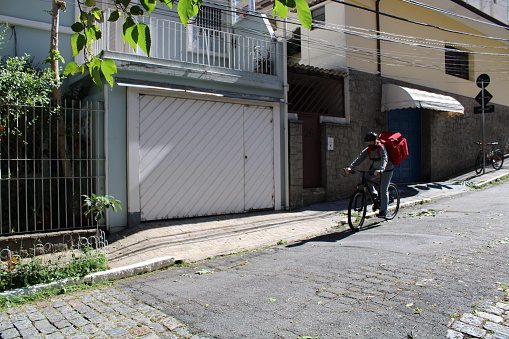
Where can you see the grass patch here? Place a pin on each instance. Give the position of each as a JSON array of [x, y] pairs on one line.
[[18, 273]]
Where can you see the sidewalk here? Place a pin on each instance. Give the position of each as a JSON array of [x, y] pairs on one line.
[[200, 238]]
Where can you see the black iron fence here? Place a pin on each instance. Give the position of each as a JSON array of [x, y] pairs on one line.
[[49, 158]]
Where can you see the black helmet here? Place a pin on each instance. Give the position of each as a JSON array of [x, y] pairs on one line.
[[371, 136]]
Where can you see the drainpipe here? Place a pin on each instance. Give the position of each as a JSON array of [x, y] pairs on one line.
[[378, 47]]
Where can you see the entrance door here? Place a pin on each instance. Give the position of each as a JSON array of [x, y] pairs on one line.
[[311, 150], [408, 123]]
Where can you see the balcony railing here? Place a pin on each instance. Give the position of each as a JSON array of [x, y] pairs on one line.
[[195, 45]]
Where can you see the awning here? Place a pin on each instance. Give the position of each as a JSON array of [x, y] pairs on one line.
[[398, 97]]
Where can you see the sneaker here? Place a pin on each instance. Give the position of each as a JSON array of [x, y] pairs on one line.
[[382, 215]]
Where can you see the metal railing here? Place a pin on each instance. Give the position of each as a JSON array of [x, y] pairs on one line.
[[194, 44], [49, 158]]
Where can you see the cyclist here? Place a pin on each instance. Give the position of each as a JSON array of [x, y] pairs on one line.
[[381, 165]]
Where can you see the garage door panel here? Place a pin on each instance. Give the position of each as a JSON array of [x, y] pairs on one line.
[[192, 158], [181, 139], [200, 181], [259, 167]]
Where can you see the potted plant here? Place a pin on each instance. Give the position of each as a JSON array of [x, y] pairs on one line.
[[263, 62]]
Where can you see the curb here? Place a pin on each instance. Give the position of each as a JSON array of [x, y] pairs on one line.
[[113, 274]]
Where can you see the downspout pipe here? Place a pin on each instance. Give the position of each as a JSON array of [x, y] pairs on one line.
[[378, 44]]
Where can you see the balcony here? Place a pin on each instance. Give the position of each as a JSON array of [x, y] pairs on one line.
[[172, 41]]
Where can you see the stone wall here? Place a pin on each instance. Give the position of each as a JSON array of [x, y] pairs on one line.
[[295, 163], [365, 116]]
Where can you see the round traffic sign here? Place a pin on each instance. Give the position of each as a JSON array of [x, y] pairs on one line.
[[483, 80]]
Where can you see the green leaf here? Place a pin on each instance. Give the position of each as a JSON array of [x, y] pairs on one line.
[[280, 9], [94, 67], [168, 3], [124, 3], [127, 28], [136, 10], [97, 14], [78, 42], [188, 9], [108, 68], [90, 3], [77, 27], [73, 68], [133, 37], [83, 17], [304, 13], [93, 33], [114, 16], [149, 5], [144, 40]]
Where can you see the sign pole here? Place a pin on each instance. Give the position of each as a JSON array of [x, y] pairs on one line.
[[483, 98], [483, 133]]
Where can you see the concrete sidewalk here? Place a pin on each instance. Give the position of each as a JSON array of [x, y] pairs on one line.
[[200, 238]]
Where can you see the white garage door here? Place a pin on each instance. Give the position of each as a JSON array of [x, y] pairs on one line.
[[201, 157]]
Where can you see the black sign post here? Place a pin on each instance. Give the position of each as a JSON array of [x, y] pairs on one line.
[[483, 98]]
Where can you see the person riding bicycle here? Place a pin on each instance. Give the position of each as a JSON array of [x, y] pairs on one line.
[[381, 165]]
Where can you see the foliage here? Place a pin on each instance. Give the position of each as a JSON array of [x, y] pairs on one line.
[[138, 34], [22, 273], [22, 84], [97, 206]]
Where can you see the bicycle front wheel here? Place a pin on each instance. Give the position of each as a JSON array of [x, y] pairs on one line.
[[393, 203], [478, 163], [498, 159], [357, 210]]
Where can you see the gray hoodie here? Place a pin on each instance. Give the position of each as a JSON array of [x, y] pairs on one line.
[[381, 162]]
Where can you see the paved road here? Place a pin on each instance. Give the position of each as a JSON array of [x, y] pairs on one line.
[[404, 277]]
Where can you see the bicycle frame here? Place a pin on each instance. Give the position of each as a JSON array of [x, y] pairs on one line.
[[495, 157], [363, 185], [358, 204]]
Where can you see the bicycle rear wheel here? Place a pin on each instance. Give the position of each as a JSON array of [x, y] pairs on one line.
[[478, 163], [498, 159], [357, 210], [393, 203]]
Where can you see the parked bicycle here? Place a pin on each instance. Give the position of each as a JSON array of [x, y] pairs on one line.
[[495, 157], [362, 197]]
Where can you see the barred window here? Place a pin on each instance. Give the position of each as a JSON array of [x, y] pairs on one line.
[[456, 63]]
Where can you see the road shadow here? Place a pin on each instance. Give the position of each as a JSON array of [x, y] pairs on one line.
[[335, 236]]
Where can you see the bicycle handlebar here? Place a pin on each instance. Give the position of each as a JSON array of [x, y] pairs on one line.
[[372, 172]]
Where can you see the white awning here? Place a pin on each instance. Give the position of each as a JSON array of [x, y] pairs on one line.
[[398, 97]]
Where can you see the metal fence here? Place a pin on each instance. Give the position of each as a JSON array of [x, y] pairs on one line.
[[48, 262], [49, 158], [194, 44]]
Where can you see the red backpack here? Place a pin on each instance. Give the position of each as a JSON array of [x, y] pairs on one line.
[[396, 146]]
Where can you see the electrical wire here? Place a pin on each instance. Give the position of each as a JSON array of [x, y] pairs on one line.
[[395, 58]]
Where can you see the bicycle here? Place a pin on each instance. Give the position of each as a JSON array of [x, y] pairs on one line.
[[358, 205], [495, 157]]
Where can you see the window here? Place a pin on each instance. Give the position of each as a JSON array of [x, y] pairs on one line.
[[318, 14], [456, 63], [204, 31]]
